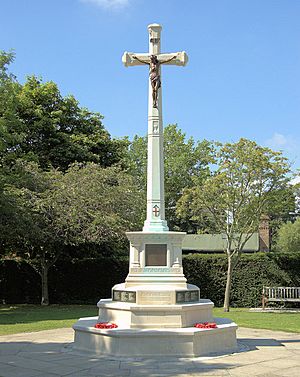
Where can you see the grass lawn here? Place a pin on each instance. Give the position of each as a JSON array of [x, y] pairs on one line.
[[27, 318], [289, 322]]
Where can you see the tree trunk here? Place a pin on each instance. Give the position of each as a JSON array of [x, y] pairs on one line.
[[45, 294], [228, 284]]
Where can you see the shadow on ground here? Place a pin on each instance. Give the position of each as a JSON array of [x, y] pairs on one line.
[[46, 359]]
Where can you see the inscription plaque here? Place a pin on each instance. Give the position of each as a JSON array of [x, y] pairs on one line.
[[187, 296], [156, 254], [162, 270], [124, 296], [160, 298], [156, 270]]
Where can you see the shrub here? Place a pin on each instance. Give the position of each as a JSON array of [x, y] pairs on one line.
[[86, 281], [288, 237]]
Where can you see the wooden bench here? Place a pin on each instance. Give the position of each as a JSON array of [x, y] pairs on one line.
[[280, 294]]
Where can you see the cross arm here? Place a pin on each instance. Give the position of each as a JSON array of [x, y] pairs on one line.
[[130, 59], [176, 58]]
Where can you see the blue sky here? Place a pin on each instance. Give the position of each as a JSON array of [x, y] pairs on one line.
[[242, 79]]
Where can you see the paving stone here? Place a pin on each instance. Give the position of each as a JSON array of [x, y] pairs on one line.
[[137, 364], [83, 374], [6, 359], [9, 352], [171, 364], [109, 363], [64, 370], [106, 371], [12, 371], [178, 373], [250, 370], [43, 347], [282, 363], [152, 373], [26, 363], [289, 372], [211, 365], [48, 354], [292, 345], [253, 357], [81, 364], [40, 366], [12, 346], [210, 372]]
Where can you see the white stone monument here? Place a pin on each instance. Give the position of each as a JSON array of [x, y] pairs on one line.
[[155, 309]]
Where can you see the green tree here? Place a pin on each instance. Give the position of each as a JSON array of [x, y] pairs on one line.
[[9, 89], [136, 163], [58, 132], [93, 204], [236, 195], [186, 162], [49, 211], [38, 124], [26, 231], [281, 208], [42, 133], [288, 237], [296, 191]]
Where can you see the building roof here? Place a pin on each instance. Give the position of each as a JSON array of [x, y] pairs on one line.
[[215, 242]]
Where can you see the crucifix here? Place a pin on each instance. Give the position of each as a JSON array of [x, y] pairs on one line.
[[155, 221]]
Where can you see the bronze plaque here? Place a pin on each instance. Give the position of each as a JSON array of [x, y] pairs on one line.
[[156, 255]]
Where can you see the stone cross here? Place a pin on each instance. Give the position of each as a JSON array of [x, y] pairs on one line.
[[155, 221]]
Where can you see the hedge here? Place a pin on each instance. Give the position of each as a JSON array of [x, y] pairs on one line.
[[86, 281], [253, 271]]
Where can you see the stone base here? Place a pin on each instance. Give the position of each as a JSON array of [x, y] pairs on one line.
[[156, 294], [131, 316], [178, 342]]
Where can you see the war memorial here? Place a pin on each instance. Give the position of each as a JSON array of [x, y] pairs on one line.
[[155, 312]]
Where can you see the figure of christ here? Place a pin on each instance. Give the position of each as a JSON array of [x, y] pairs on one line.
[[154, 75]]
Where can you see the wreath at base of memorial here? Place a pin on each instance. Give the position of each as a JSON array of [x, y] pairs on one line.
[[105, 325], [206, 325]]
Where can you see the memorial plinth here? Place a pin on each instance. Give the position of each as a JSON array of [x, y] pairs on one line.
[[156, 342], [155, 309]]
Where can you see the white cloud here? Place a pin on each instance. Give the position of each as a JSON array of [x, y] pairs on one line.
[[288, 144], [108, 4], [277, 141], [283, 142]]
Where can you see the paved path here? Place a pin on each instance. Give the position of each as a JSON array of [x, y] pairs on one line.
[[47, 354]]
